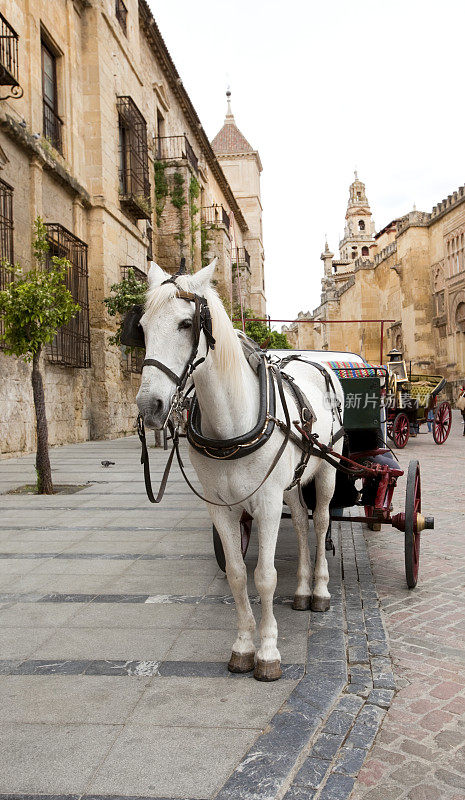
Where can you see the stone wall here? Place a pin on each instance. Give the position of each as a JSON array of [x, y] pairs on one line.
[[79, 189]]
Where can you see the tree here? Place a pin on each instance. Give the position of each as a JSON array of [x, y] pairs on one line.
[[33, 306], [260, 332]]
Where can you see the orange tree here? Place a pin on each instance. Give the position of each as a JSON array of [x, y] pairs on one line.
[[33, 306]]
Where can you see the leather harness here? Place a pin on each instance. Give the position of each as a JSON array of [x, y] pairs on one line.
[[269, 375]]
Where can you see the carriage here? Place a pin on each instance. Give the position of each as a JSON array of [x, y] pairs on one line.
[[370, 471], [412, 402]]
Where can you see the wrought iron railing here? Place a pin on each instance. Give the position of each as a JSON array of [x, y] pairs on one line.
[[215, 215], [175, 148], [52, 127], [133, 358], [71, 345], [9, 64], [6, 239], [240, 257], [134, 161], [121, 14]]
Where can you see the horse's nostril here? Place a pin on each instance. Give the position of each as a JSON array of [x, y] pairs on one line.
[[157, 406]]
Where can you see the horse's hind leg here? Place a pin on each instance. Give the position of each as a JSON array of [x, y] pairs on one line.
[[268, 657], [227, 524], [299, 514], [324, 485]]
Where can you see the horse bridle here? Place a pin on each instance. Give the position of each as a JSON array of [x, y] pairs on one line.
[[202, 323]]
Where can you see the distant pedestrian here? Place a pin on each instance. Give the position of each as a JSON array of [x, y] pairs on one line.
[[460, 404]]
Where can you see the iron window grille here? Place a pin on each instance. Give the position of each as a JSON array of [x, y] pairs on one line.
[[121, 15], [6, 239], [240, 257], [9, 63], [175, 148], [52, 123], [133, 359], [215, 215], [71, 345], [134, 184]]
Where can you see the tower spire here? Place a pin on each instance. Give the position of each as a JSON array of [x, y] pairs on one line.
[[229, 115]]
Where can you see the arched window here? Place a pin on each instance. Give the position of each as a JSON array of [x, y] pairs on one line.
[[354, 252], [365, 250], [361, 225]]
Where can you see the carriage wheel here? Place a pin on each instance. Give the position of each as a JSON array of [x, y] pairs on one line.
[[442, 422], [412, 535], [400, 431], [246, 530]]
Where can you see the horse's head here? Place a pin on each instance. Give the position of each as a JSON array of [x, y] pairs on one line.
[[169, 331]]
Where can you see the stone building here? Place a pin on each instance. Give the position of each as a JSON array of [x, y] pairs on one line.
[[413, 276], [99, 137]]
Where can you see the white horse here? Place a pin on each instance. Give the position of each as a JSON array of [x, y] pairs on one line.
[[227, 392]]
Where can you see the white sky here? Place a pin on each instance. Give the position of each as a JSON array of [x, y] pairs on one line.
[[320, 88]]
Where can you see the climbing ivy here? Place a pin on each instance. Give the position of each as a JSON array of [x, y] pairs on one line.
[[161, 189], [194, 192], [178, 200]]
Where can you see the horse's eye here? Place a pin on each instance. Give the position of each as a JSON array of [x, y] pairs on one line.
[[186, 323]]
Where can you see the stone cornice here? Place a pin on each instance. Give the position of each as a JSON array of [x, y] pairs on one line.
[[48, 161], [155, 40]]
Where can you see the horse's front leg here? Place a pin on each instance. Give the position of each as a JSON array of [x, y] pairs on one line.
[[227, 524], [268, 666], [299, 514], [324, 484]]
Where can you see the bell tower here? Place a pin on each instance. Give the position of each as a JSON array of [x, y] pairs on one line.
[[360, 227]]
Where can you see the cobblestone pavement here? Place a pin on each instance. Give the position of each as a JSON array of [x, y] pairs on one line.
[[420, 751], [116, 626]]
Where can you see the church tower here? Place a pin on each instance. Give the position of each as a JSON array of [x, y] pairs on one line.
[[360, 227], [242, 166]]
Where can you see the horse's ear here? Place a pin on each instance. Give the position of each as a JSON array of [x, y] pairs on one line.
[[199, 282], [156, 275]]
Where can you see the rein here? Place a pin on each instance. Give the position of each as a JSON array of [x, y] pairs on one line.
[[245, 444]]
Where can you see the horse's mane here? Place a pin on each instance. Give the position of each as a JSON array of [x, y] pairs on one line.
[[228, 353]]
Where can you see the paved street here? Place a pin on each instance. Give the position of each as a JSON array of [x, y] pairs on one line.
[[116, 626]]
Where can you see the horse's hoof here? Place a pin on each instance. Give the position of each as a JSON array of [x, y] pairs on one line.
[[267, 670], [241, 662], [320, 603], [301, 602]]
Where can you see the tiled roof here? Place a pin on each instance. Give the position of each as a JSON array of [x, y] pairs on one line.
[[230, 140]]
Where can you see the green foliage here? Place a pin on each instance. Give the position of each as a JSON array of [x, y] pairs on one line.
[[177, 192], [194, 193], [205, 240], [260, 332], [37, 303], [161, 189], [127, 293]]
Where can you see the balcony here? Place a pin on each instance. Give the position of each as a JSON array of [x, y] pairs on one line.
[[9, 65], [175, 148], [52, 127], [134, 184], [240, 257], [215, 215]]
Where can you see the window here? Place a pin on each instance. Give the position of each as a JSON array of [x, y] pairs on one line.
[[133, 359], [9, 66], [71, 345], [6, 236], [361, 225], [365, 251], [52, 124], [460, 317], [121, 15], [134, 185]]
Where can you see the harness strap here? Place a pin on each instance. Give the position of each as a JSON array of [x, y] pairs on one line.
[[175, 449], [152, 362]]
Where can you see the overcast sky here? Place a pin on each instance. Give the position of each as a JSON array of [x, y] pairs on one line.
[[321, 88]]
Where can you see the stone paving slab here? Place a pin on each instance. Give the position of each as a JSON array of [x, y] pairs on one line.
[[124, 601]]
